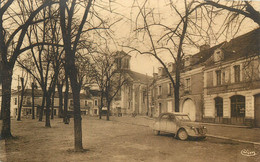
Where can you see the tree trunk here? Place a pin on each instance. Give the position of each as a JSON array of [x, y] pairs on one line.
[[21, 102], [52, 105], [59, 86], [1, 115], [100, 108], [42, 106], [6, 100], [33, 113], [66, 94], [177, 90], [48, 104], [77, 115], [108, 110]]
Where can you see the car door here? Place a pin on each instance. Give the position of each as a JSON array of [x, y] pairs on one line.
[[163, 122], [171, 124]]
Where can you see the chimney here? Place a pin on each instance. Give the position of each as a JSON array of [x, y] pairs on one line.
[[187, 61], [160, 71], [204, 47], [155, 75], [87, 88], [171, 67]]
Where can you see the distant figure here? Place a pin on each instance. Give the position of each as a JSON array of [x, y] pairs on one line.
[[134, 114], [67, 119]]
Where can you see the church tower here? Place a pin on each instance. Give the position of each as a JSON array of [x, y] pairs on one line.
[[122, 60]]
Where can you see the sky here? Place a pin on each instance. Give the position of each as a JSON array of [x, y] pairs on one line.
[[147, 64], [123, 32]]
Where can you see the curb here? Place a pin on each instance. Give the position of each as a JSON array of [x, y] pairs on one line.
[[236, 140], [208, 135], [224, 125]]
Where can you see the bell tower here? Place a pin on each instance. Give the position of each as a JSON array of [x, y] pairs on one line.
[[122, 60]]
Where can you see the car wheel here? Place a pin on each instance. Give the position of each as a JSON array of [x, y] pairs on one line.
[[182, 135], [155, 132]]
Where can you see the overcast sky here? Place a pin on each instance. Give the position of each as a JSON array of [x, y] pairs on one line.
[[123, 31], [147, 64]]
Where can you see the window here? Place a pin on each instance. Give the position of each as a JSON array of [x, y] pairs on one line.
[[15, 101], [218, 77], [71, 102], [224, 77], [144, 94], [169, 89], [159, 90], [187, 84], [118, 61], [219, 106], [90, 104], [160, 108], [96, 102], [29, 101], [86, 103], [237, 106], [129, 105], [237, 73]]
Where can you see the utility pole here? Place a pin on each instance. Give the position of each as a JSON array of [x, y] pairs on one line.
[[18, 101], [147, 94]]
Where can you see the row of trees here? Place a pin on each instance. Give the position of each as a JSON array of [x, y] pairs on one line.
[[49, 32], [52, 33]]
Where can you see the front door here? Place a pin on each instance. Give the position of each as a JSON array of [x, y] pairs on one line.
[[190, 109], [257, 110], [218, 110], [238, 109]]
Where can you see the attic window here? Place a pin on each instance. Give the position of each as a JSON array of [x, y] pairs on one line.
[[187, 61], [218, 55]]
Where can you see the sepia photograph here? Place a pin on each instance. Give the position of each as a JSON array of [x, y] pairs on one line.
[[130, 80]]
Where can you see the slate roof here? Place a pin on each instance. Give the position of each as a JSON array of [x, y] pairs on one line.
[[38, 93], [243, 46], [246, 45], [138, 77], [94, 93]]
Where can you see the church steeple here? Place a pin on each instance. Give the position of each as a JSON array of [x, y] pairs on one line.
[[122, 60]]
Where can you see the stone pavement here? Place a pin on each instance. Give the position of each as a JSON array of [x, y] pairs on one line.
[[230, 132]]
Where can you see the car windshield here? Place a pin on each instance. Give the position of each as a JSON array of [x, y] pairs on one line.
[[182, 117]]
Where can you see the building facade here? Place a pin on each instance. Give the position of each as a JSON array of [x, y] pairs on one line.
[[133, 95], [89, 103], [220, 84], [232, 82]]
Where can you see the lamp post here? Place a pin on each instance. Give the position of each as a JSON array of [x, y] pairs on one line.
[[33, 86]]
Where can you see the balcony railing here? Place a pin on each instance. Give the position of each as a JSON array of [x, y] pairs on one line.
[[233, 87]]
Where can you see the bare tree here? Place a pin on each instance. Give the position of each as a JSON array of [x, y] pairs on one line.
[[46, 57], [236, 8], [20, 105], [109, 78], [230, 15], [13, 27], [170, 43], [70, 47]]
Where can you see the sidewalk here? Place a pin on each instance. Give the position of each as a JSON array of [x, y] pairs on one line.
[[235, 133]]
